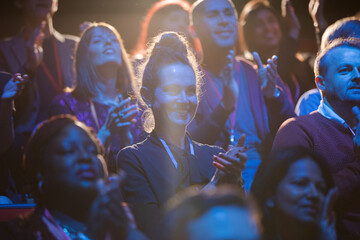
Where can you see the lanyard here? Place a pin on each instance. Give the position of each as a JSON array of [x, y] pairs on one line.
[[93, 113], [171, 156], [58, 85], [218, 94]]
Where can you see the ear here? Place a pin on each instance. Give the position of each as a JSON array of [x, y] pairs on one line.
[[146, 96], [320, 82], [270, 203]]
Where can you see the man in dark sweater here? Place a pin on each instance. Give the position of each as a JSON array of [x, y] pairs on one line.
[[333, 131]]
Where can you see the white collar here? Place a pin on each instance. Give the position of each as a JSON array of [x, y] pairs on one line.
[[328, 113]]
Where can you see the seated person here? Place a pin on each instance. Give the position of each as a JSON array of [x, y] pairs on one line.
[[75, 199], [294, 190], [214, 214], [343, 28], [104, 83], [168, 160], [237, 99], [332, 131]]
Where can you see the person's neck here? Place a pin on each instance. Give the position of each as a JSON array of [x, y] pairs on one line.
[[295, 230], [215, 59], [32, 24], [75, 208], [172, 135], [343, 109], [107, 85]]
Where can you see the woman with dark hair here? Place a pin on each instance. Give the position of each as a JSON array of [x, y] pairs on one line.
[[212, 214], [263, 31], [295, 191], [75, 199], [168, 160], [164, 15], [104, 83]]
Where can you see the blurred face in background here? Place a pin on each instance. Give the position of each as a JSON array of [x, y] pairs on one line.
[[301, 193], [217, 25], [266, 32], [38, 9], [176, 21]]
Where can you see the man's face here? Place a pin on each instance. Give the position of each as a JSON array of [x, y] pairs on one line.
[[218, 24], [341, 74], [39, 9]]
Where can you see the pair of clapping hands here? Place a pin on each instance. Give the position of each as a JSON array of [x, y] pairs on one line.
[[120, 117], [14, 86]]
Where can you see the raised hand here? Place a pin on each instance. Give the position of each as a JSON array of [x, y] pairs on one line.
[[119, 118], [268, 76], [14, 86], [230, 87], [327, 219], [316, 11], [290, 18], [34, 47], [107, 215], [229, 166]]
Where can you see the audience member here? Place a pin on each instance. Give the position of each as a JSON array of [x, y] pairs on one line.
[[45, 55], [236, 101], [164, 15], [221, 213], [168, 160], [343, 28], [332, 131], [75, 199], [263, 31], [10, 87], [294, 189], [104, 83]]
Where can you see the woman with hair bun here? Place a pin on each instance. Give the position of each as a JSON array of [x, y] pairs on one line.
[[168, 160]]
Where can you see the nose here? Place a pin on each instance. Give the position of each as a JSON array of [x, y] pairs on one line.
[[182, 97], [313, 192], [223, 21], [84, 156]]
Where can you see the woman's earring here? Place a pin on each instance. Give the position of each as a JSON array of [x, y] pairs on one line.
[[149, 105]]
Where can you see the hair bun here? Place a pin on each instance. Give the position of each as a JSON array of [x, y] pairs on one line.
[[172, 42]]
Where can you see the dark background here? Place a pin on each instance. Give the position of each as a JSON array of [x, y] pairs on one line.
[[126, 16]]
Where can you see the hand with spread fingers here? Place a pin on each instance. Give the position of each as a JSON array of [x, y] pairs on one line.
[[316, 11], [34, 47], [268, 75], [327, 219], [230, 87], [229, 165], [107, 215], [120, 117], [14, 86]]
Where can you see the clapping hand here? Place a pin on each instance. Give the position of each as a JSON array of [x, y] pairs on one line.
[[268, 76], [14, 86], [327, 219], [119, 118]]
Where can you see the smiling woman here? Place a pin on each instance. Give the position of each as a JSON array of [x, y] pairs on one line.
[[293, 187], [168, 160], [104, 83]]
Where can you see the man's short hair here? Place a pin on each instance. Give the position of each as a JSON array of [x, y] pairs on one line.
[[197, 10], [319, 67]]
